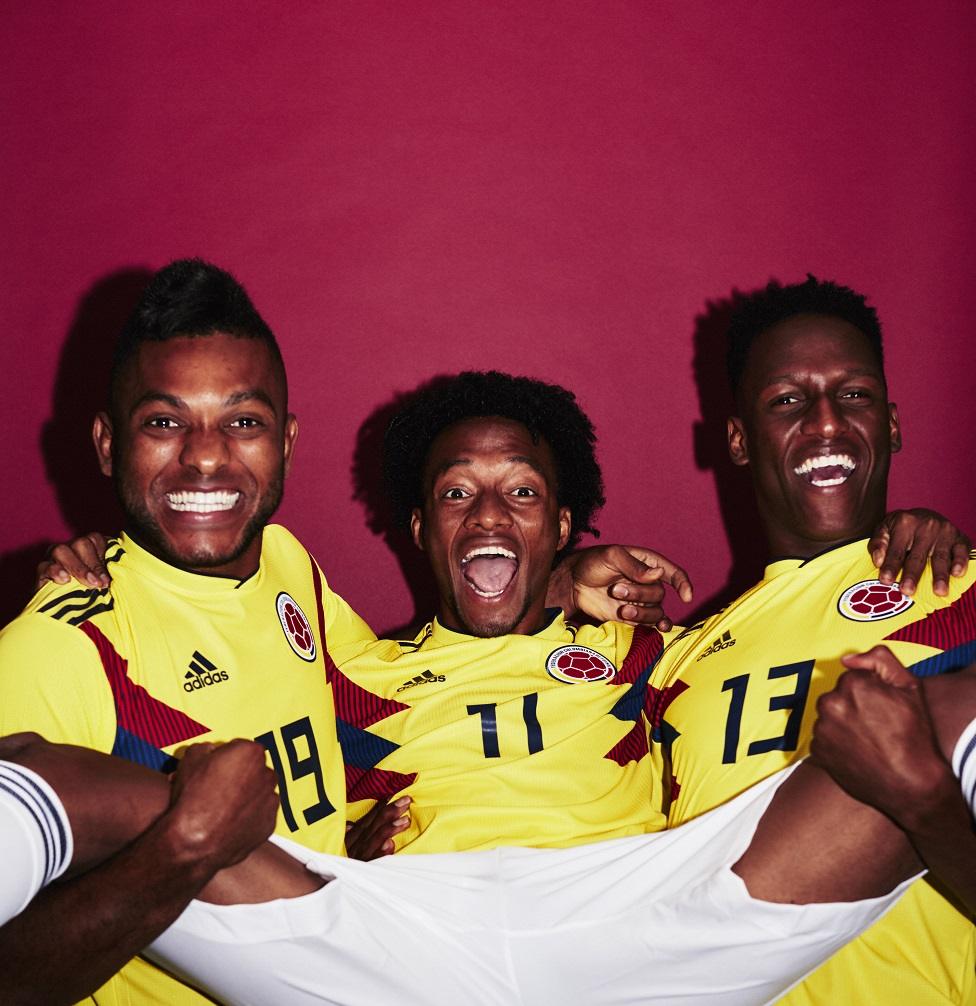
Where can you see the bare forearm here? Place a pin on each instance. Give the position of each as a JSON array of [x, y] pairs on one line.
[[946, 842], [164, 846], [75, 935]]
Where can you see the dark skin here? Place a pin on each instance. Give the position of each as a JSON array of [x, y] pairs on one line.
[[818, 431], [813, 392], [198, 444], [180, 831]]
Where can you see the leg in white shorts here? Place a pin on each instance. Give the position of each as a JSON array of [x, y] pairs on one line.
[[35, 838], [651, 919]]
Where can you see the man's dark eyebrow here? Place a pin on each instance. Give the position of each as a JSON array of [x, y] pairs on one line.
[[776, 378], [531, 462], [515, 459], [158, 396], [252, 394]]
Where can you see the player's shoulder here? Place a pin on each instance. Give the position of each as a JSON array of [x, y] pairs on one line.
[[278, 543], [68, 604]]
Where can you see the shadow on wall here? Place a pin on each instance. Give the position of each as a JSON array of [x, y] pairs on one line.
[[369, 490], [85, 498], [733, 484]]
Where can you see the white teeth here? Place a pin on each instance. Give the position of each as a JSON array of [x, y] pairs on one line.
[[200, 502], [490, 550], [844, 461]]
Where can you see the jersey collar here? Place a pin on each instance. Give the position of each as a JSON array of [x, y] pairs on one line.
[[154, 568], [821, 560], [436, 634]]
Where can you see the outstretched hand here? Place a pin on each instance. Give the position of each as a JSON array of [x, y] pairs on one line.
[[907, 539], [82, 559], [875, 737], [623, 583]]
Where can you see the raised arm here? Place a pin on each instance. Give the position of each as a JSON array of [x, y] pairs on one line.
[[623, 583]]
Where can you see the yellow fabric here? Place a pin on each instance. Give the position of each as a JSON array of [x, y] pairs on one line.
[[209, 648], [504, 752], [739, 703]]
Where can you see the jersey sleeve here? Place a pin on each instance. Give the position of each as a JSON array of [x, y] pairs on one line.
[[51, 682], [346, 634]]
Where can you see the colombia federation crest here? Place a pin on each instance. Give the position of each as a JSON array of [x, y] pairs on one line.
[[295, 626], [575, 665]]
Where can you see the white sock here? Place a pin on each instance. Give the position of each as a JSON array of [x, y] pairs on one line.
[[35, 837], [964, 764]]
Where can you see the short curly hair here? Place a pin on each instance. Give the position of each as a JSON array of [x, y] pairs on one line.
[[757, 312], [548, 412]]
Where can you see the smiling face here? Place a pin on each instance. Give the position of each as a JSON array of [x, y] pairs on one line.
[[198, 448], [817, 430], [491, 525]]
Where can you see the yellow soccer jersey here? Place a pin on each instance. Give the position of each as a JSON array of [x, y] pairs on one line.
[[738, 702], [163, 658], [534, 740]]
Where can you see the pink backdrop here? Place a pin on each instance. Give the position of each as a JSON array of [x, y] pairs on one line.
[[567, 190]]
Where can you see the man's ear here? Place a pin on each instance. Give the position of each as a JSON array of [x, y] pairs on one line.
[[417, 528], [894, 428], [102, 437], [565, 526], [291, 435], [738, 451]]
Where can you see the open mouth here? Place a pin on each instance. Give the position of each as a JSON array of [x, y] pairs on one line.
[[826, 470], [202, 502], [489, 570]]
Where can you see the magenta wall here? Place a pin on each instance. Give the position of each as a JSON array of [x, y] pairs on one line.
[[567, 190]]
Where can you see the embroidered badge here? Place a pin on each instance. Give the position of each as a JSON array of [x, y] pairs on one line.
[[295, 626], [872, 600], [576, 664]]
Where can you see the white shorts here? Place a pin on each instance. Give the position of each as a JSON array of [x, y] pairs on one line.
[[649, 919], [35, 837]]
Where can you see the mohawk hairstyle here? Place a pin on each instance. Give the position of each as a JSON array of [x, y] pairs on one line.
[[754, 313], [190, 297], [548, 412]]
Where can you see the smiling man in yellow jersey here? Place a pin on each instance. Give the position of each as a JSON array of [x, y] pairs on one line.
[[640, 919], [738, 692], [215, 625], [502, 723]]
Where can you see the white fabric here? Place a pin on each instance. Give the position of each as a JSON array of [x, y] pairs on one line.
[[648, 919], [35, 837]]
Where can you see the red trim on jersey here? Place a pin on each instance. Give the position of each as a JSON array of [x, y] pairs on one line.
[[630, 748], [320, 611], [135, 709], [658, 700], [374, 783], [943, 629], [358, 707], [645, 648]]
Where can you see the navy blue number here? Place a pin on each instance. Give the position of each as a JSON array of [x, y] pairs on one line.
[[299, 766], [794, 701], [489, 725]]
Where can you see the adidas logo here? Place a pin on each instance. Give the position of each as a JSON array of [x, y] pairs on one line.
[[202, 673], [722, 643], [428, 677]]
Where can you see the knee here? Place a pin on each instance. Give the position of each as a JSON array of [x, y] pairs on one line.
[[20, 746]]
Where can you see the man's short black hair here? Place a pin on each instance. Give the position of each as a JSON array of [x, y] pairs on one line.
[[546, 410], [190, 297], [755, 313]]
